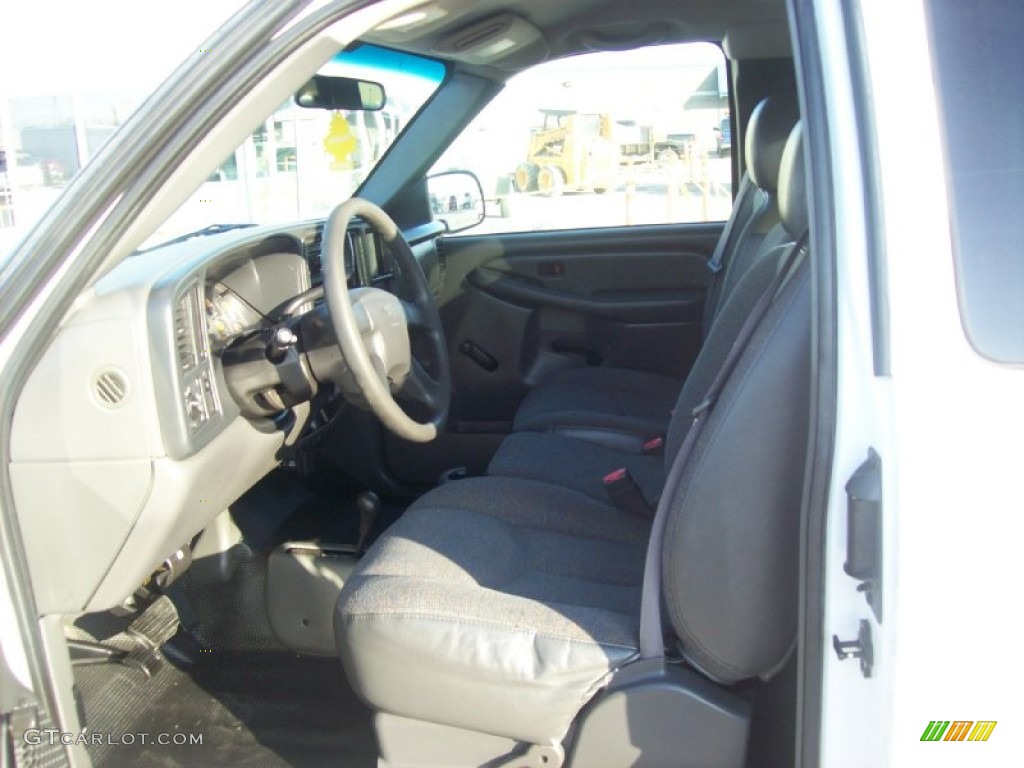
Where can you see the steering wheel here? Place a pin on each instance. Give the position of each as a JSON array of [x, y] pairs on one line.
[[372, 327]]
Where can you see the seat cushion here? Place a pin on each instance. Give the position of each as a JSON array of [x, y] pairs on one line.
[[615, 399], [495, 605], [576, 464]]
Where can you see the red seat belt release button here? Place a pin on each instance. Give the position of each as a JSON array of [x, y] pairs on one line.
[[625, 494], [653, 447]]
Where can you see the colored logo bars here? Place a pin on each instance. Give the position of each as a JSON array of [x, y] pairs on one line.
[[958, 730]]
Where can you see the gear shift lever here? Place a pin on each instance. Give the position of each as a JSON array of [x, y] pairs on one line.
[[368, 504]]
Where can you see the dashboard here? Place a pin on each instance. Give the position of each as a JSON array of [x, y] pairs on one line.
[[196, 313], [238, 294], [128, 440]]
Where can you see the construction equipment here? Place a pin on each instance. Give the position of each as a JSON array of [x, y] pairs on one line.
[[571, 151]]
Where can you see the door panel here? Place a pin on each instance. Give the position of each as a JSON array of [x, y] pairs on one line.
[[519, 307], [508, 282]]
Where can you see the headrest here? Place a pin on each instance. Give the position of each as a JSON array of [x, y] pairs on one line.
[[793, 204], [767, 131]]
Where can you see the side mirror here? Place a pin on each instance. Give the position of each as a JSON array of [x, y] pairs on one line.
[[456, 199], [326, 92]]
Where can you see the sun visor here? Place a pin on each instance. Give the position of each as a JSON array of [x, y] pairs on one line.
[[766, 40]]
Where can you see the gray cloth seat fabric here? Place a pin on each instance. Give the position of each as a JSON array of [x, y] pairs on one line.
[[768, 131], [494, 605], [502, 605], [600, 398], [576, 464], [581, 465], [561, 459], [589, 401]]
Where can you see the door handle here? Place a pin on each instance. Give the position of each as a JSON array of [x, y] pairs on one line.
[[864, 530]]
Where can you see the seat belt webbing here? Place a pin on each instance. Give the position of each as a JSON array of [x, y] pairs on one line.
[[729, 243], [718, 255]]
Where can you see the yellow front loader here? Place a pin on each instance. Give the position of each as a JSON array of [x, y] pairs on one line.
[[571, 151]]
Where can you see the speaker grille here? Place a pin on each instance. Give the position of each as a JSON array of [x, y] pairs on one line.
[[111, 388]]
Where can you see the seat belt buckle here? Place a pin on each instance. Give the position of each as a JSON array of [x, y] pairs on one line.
[[625, 494], [714, 267], [653, 447]]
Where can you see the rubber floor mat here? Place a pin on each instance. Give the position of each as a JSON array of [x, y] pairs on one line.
[[221, 691], [260, 708], [224, 680]]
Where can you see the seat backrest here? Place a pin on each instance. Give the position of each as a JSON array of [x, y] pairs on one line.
[[730, 548], [755, 210], [761, 267]]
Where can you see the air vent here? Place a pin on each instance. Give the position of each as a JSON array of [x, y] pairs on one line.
[[111, 388], [188, 344], [439, 276], [382, 256], [352, 276], [442, 257], [311, 248]]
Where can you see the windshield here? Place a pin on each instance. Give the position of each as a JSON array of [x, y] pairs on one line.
[[300, 163]]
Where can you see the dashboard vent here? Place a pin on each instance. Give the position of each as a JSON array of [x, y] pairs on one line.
[[188, 344], [311, 248], [111, 388], [438, 275], [352, 276]]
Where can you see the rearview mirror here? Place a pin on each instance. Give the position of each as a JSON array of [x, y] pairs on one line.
[[456, 199], [326, 92]]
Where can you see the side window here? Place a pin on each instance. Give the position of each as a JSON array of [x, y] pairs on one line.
[[978, 58], [605, 139]]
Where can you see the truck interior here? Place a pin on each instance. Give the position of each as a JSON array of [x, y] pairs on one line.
[[363, 489]]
